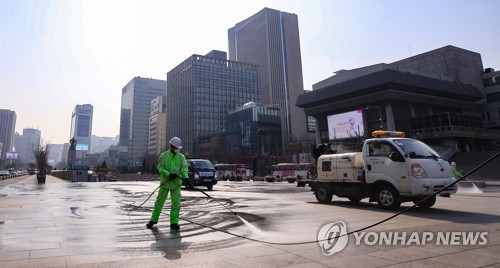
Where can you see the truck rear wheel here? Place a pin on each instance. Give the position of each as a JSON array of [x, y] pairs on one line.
[[388, 198], [323, 194], [427, 203]]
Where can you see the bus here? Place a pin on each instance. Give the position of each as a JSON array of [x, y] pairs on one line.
[[232, 172], [293, 172]]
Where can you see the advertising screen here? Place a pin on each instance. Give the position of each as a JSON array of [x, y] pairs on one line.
[[11, 155], [83, 127], [82, 147], [346, 125]]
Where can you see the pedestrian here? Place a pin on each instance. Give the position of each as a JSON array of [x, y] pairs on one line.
[[457, 174], [173, 168]]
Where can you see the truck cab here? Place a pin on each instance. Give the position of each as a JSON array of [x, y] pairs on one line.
[[390, 169]]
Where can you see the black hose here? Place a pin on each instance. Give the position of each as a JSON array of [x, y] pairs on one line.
[[194, 187], [330, 238]]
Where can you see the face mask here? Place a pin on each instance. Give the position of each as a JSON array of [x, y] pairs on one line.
[[177, 150]]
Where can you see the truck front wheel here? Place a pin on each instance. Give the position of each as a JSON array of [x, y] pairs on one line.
[[427, 203], [388, 198], [323, 194]]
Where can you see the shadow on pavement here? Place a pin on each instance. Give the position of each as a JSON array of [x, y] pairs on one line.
[[455, 216], [170, 244]]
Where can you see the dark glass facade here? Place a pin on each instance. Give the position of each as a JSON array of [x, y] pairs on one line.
[[254, 131], [201, 91], [254, 137]]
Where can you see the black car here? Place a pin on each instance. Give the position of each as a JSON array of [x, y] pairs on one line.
[[201, 173]]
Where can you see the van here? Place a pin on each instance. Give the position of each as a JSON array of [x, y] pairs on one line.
[[201, 173]]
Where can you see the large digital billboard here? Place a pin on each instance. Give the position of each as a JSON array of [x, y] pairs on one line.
[[346, 125], [83, 126], [81, 147]]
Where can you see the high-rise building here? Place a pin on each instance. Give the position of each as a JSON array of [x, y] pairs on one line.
[[270, 39], [81, 128], [25, 144], [7, 130], [64, 154], [157, 142], [201, 91], [135, 112]]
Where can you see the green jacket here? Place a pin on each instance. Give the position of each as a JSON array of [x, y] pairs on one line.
[[456, 173], [170, 163]]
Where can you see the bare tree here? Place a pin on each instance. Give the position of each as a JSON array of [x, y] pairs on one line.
[[41, 153]]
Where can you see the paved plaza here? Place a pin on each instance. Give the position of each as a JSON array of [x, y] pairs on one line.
[[100, 224]]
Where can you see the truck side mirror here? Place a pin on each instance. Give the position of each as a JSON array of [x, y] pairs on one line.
[[396, 157]]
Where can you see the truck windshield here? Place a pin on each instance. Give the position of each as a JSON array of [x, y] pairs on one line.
[[416, 149]]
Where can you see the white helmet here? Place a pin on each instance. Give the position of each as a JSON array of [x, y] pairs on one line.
[[176, 142]]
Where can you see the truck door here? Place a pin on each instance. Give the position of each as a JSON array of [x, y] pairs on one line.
[[380, 167]]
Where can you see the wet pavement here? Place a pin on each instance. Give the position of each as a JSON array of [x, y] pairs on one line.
[[102, 224]]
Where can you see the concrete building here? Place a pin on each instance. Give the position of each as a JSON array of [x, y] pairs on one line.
[[157, 142], [491, 110], [436, 96], [81, 130], [7, 130], [134, 117], [270, 39], [25, 144], [201, 91], [100, 144]]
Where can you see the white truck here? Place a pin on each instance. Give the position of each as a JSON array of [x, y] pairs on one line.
[[390, 169]]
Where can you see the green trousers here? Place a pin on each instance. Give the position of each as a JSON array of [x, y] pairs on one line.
[[174, 187]]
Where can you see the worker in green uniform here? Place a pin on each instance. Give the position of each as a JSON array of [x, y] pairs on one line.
[[456, 173], [173, 168]]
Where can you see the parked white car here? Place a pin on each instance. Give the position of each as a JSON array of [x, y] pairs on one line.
[[4, 174]]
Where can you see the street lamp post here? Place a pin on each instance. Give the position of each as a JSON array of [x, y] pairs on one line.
[[379, 113]]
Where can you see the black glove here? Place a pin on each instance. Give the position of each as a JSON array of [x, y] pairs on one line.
[[172, 176]]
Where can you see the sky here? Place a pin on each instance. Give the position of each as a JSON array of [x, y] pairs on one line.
[[57, 54]]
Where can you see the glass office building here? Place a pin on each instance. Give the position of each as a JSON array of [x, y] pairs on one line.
[[201, 91], [254, 131]]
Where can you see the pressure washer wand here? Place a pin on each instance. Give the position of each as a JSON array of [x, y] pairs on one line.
[[192, 186]]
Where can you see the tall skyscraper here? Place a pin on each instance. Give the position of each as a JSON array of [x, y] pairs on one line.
[[270, 39], [157, 142], [81, 128], [7, 130], [25, 144], [135, 112], [201, 91]]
